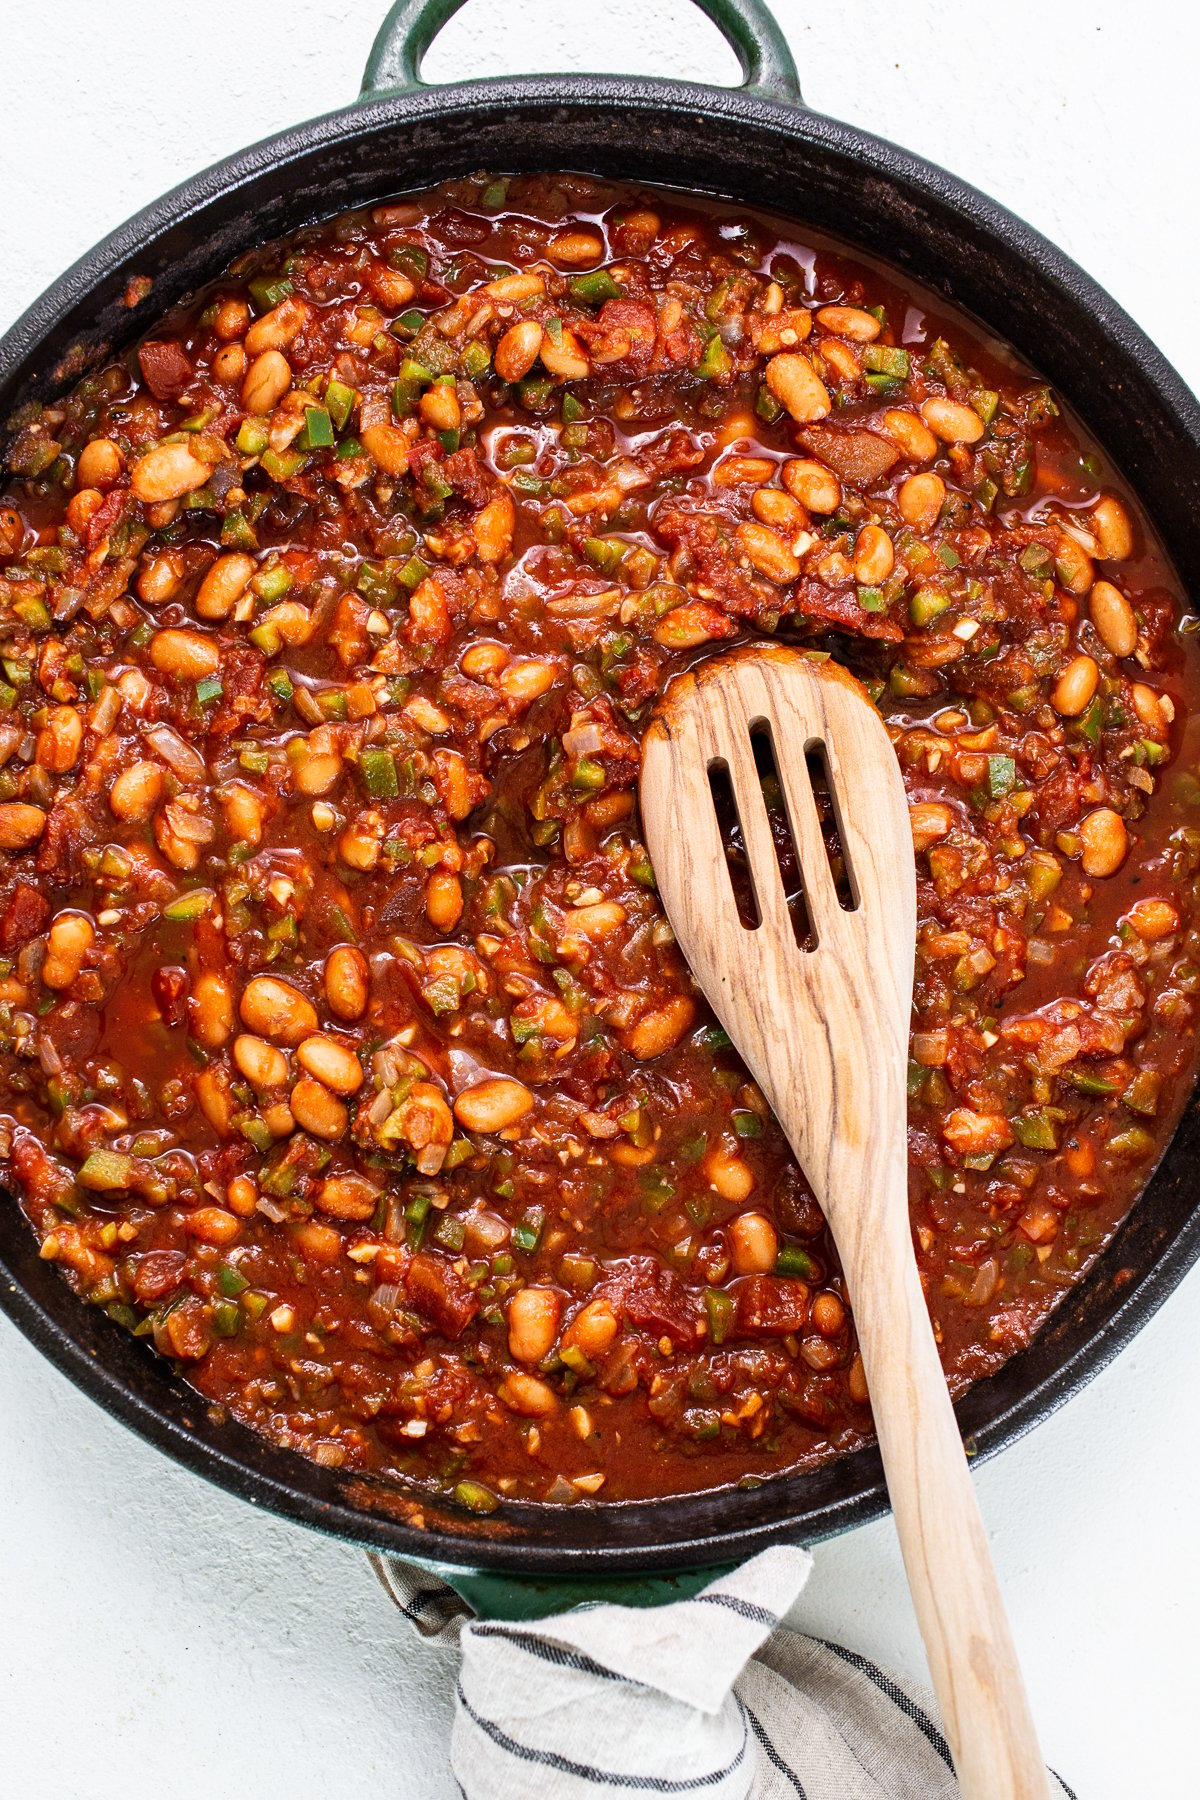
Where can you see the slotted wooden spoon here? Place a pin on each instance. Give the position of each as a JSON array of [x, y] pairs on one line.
[[825, 1033]]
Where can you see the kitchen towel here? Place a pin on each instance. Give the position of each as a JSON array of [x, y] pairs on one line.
[[709, 1697]]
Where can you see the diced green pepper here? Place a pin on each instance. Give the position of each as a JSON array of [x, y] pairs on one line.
[[1142, 1094], [594, 287], [1037, 562], [719, 1308], [339, 403], [106, 1172], [416, 1218], [226, 1317], [1002, 776], [189, 906], [318, 430], [536, 393], [267, 291], [716, 364], [475, 1497], [1085, 1081], [926, 605], [378, 770], [252, 438], [887, 359], [281, 465], [792, 1260], [589, 775], [1035, 1131], [475, 359], [272, 583], [527, 1233], [607, 553]]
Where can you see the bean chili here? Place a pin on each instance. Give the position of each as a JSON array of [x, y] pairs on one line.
[[345, 1050]]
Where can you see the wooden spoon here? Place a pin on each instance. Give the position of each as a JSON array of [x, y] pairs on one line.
[[825, 1033]]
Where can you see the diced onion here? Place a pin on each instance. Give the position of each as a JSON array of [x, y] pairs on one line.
[[179, 756], [582, 741]]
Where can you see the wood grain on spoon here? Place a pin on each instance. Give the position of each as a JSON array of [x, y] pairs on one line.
[[825, 1033]]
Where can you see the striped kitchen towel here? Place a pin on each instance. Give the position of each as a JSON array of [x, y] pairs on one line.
[[709, 1696]]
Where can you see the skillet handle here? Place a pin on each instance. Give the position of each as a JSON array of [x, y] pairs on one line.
[[768, 68]]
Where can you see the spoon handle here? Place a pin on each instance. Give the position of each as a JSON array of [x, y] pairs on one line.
[[950, 1573]]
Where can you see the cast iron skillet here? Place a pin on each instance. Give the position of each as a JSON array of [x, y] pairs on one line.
[[759, 145]]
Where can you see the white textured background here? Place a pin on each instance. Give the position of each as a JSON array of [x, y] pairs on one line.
[[157, 1637]]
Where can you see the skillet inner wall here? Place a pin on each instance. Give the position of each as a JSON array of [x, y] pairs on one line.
[[796, 165]]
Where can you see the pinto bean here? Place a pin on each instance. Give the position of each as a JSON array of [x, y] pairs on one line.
[[70, 938], [187, 655], [533, 1315], [518, 350], [920, 500], [770, 554], [953, 422], [330, 1063], [493, 1105], [264, 1065], [910, 434], [60, 740], [223, 585], [347, 983], [849, 322], [754, 1243], [812, 484], [318, 1111], [728, 1174], [166, 473], [593, 1329], [387, 446], [575, 249], [20, 825], [1105, 842], [1075, 686], [525, 1394], [100, 464], [1113, 617], [136, 792], [267, 380], [493, 529], [275, 1009], [797, 386], [874, 557], [349, 1197], [660, 1029], [443, 900], [276, 329], [1112, 529], [211, 1016]]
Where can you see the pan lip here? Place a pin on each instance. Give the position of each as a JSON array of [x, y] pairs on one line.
[[659, 1548]]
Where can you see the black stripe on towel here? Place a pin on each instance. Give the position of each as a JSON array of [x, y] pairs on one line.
[[744, 1608], [897, 1696], [772, 1753], [557, 1654], [650, 1784], [1068, 1791]]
